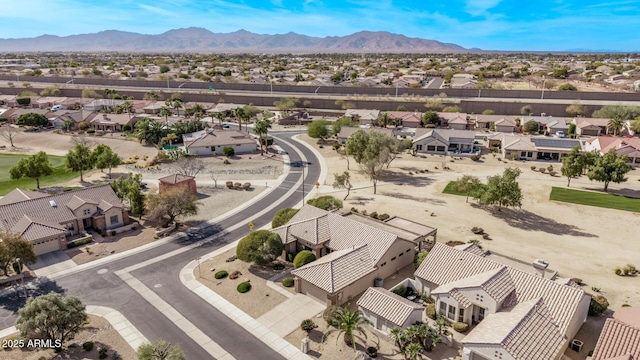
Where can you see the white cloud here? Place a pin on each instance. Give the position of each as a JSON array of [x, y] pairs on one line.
[[480, 7], [157, 10]]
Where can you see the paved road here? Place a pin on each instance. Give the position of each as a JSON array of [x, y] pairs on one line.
[[100, 286]]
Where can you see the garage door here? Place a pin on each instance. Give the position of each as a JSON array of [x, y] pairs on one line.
[[45, 246]]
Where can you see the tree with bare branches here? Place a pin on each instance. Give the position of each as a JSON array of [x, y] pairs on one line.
[[10, 133], [189, 165]]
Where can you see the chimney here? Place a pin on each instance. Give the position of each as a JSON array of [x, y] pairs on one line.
[[540, 265]]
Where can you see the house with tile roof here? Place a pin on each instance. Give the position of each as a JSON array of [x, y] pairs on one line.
[[455, 121], [350, 254], [523, 147], [629, 146], [386, 310], [620, 336], [363, 116], [47, 221], [591, 126], [406, 118], [444, 141], [517, 315], [212, 142]]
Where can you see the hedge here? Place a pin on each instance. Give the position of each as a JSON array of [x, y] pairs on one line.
[[88, 346], [287, 282], [460, 327], [79, 243], [221, 274], [244, 287], [302, 258]]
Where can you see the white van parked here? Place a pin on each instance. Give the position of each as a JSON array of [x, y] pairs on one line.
[[56, 107]]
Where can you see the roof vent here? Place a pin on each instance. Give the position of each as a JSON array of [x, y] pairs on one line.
[[53, 203]]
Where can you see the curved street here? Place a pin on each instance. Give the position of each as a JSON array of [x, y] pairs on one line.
[[158, 269]]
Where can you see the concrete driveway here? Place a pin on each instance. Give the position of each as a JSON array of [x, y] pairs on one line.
[[286, 317], [51, 263]]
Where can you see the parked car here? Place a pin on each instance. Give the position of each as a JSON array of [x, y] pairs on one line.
[[225, 125], [56, 107], [560, 133]]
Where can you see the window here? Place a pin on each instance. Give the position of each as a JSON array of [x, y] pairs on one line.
[[452, 312], [523, 154], [443, 308], [431, 148], [440, 148], [461, 315], [114, 219], [530, 154], [419, 147], [86, 211]]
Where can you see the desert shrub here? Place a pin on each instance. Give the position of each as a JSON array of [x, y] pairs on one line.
[[543, 170], [228, 151], [631, 269], [126, 127], [246, 186], [577, 281], [88, 346], [282, 216], [244, 287], [308, 325], [260, 247], [430, 311], [374, 215], [287, 282], [477, 230], [237, 186], [336, 146], [453, 243], [234, 275], [221, 274], [229, 184], [302, 258], [550, 168], [475, 157], [326, 202], [383, 217], [598, 305], [354, 210], [102, 353], [83, 125], [226, 162], [460, 327], [400, 290], [552, 173], [533, 168], [372, 351]]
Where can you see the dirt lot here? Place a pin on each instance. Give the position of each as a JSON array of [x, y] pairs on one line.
[[98, 330], [257, 301], [578, 241], [105, 246]]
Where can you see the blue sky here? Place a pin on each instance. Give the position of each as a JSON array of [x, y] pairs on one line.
[[535, 25]]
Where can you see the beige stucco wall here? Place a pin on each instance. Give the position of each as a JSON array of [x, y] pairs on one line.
[[111, 212]]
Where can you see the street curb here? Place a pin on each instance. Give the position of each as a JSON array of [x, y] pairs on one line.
[[241, 318]]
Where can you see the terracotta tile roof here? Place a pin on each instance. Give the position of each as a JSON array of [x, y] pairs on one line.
[[43, 207], [445, 264], [443, 135], [338, 269], [496, 282], [175, 179], [388, 305], [405, 116], [363, 113], [76, 202], [628, 315], [470, 248], [585, 122], [526, 332], [33, 229], [221, 138], [20, 195], [617, 340]]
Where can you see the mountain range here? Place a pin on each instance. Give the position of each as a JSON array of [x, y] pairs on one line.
[[202, 40]]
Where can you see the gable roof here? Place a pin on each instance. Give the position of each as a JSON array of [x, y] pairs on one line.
[[338, 269], [54, 207], [444, 135], [405, 116], [20, 195], [220, 138], [363, 114], [32, 228], [496, 282], [388, 305], [445, 264], [527, 331], [617, 340]]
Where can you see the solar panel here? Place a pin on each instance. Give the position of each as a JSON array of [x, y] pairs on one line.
[[557, 143]]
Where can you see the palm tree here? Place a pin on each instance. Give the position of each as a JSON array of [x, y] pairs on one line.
[[151, 95], [261, 127], [220, 116], [346, 322], [412, 351], [109, 93], [615, 125], [399, 337], [384, 120], [150, 132], [239, 114], [166, 112], [67, 124]]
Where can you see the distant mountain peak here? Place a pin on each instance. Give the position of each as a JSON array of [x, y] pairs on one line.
[[197, 39]]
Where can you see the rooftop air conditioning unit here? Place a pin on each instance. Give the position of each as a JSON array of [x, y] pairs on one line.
[[576, 345], [540, 264]]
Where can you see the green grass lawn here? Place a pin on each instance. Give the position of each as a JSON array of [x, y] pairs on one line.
[[60, 173], [604, 200], [451, 189]]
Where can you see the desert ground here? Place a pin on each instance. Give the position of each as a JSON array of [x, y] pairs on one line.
[[578, 241], [98, 330]]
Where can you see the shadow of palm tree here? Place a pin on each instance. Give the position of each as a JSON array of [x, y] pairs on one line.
[[526, 220]]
